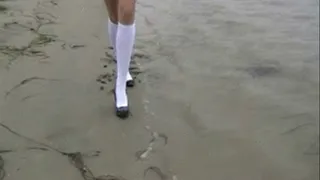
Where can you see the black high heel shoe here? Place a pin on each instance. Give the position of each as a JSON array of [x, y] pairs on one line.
[[121, 112], [130, 83]]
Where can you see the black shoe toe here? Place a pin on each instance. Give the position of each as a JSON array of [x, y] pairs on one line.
[[130, 83], [122, 112]]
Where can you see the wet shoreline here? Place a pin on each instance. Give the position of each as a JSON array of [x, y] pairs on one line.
[[233, 85]]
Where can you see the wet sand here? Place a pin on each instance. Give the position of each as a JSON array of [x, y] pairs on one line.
[[233, 84]]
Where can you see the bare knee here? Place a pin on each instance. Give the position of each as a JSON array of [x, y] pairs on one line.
[[112, 7], [126, 12], [113, 18]]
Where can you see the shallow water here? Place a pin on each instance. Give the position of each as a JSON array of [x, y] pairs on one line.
[[234, 84]]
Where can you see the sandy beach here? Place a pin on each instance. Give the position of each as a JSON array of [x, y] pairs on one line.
[[233, 86]]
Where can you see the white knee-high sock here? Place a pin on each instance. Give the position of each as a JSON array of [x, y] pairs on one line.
[[124, 45], [112, 32]]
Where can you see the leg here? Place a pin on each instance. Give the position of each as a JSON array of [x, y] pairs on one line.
[[124, 45], [126, 11], [112, 7]]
